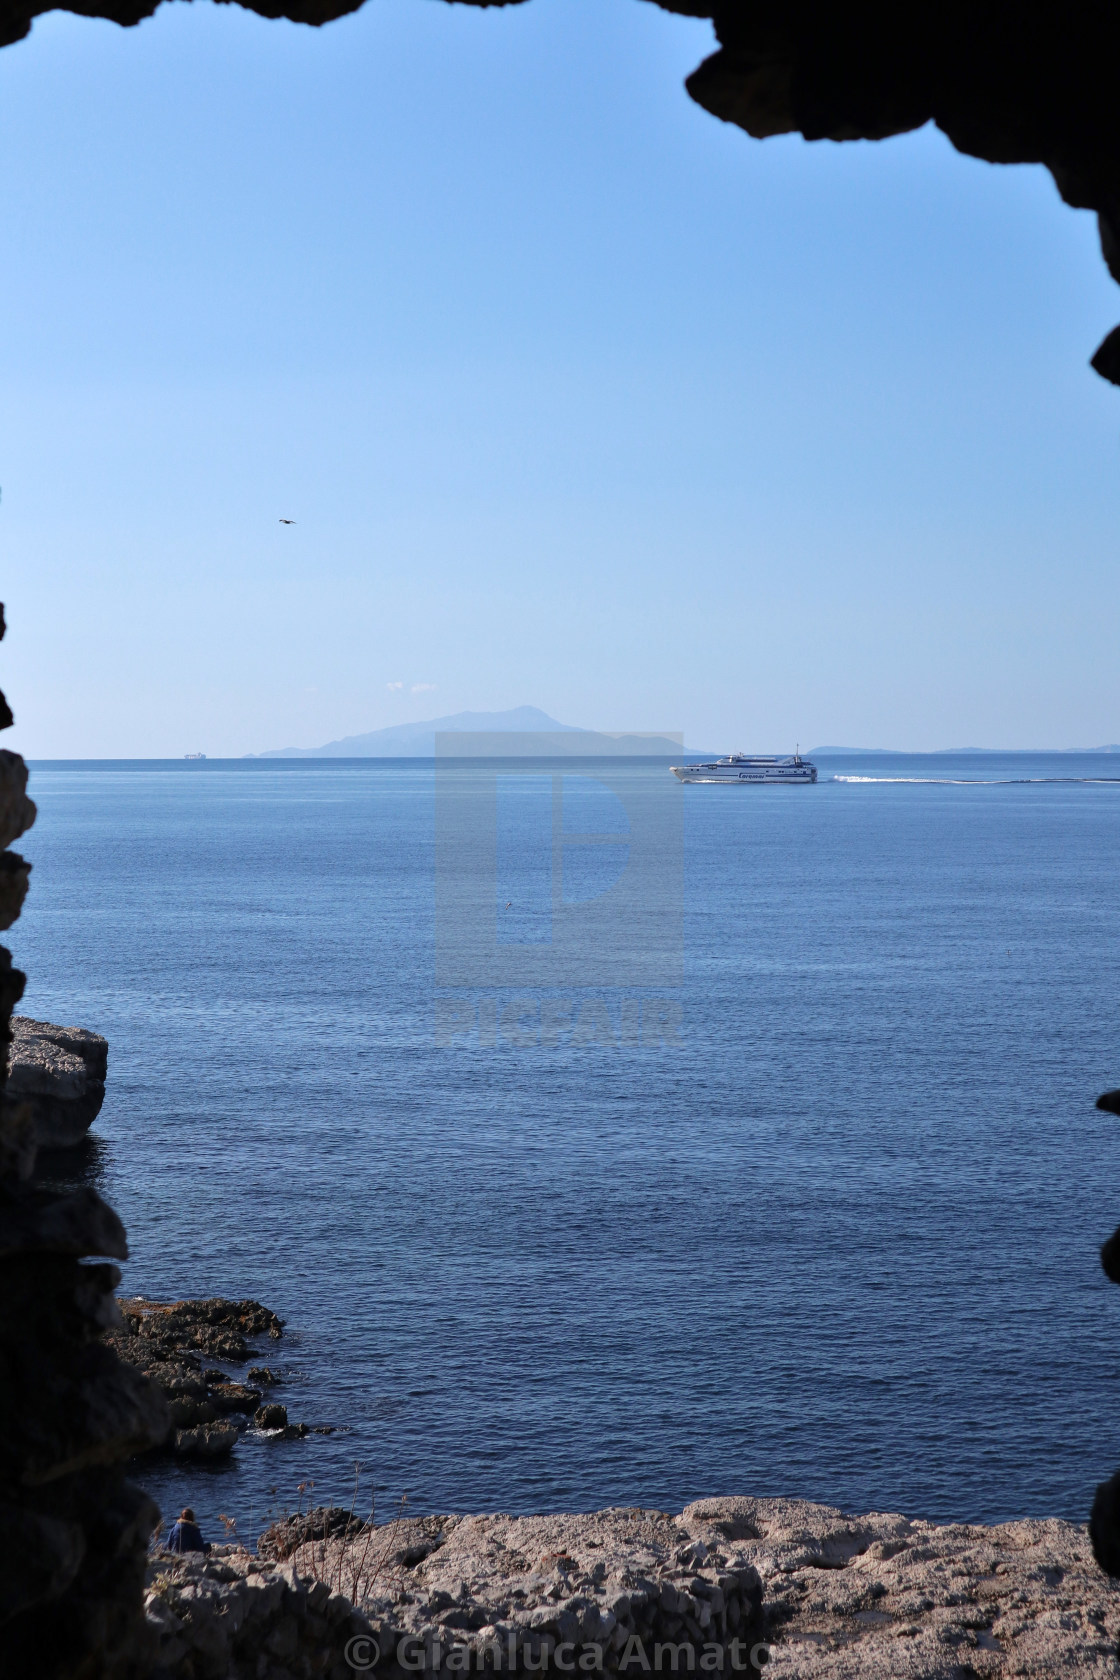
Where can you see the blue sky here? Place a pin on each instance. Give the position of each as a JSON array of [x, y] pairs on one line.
[[578, 397]]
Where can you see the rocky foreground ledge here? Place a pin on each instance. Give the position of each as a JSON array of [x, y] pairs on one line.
[[731, 1586]]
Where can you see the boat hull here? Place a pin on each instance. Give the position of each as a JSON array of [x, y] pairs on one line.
[[747, 775]]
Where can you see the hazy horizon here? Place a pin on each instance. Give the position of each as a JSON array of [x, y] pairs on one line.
[[478, 720]]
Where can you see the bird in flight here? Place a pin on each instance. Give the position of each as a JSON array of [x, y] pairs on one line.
[[287, 522]]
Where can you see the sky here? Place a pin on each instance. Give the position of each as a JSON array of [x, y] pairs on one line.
[[577, 397]]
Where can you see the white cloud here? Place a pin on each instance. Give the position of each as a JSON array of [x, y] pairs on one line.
[[394, 685], [422, 688]]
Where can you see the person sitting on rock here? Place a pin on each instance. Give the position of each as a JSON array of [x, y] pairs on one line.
[[186, 1536]]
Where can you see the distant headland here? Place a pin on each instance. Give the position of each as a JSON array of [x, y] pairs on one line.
[[948, 752], [418, 740]]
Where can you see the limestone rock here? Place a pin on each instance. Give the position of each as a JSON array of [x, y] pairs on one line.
[[821, 1594], [497, 1593], [603, 1584], [60, 1072], [878, 1597], [228, 1617]]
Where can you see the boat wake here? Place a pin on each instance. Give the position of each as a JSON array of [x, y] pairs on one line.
[[979, 781]]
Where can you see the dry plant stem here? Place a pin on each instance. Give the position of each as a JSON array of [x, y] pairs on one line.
[[350, 1518], [357, 1569], [363, 1582], [353, 1571]]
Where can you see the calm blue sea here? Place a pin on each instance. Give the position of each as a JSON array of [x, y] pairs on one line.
[[840, 1242]]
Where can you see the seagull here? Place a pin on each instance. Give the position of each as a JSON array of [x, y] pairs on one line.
[[508, 905], [287, 522]]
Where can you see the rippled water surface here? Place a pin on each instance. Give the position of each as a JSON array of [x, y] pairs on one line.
[[839, 1243]]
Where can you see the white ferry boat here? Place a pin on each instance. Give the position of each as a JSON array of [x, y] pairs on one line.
[[749, 767]]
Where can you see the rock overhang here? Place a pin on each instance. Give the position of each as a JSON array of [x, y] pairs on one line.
[[1005, 82]]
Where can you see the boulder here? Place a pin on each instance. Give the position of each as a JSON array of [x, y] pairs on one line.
[[59, 1072], [206, 1440], [325, 1522], [230, 1396]]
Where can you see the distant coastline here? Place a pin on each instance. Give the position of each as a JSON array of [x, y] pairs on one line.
[[418, 740], [950, 752]]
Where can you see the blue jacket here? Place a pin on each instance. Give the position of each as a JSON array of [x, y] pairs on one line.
[[186, 1537]]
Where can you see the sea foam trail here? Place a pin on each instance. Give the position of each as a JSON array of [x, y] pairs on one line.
[[979, 781]]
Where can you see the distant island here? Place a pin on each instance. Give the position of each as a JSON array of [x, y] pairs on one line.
[[418, 740]]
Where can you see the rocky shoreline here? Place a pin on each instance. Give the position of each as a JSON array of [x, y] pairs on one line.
[[730, 1586], [174, 1344]]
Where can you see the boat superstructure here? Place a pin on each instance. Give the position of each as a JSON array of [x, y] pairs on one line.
[[743, 768]]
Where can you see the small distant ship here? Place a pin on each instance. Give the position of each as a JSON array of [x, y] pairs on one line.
[[749, 767], [194, 755]]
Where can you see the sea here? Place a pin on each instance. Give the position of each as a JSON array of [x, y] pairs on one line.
[[828, 1229]]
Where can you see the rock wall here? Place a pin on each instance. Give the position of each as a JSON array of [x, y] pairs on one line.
[[75, 1532], [227, 1617]]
